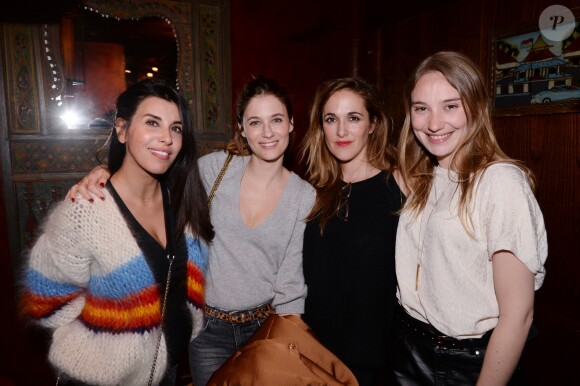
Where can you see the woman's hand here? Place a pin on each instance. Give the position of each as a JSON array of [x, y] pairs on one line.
[[91, 185]]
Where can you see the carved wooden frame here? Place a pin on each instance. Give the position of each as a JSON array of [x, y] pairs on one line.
[[177, 13]]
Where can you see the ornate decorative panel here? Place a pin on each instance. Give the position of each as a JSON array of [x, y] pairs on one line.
[[21, 85], [210, 70], [34, 200], [177, 13], [54, 156]]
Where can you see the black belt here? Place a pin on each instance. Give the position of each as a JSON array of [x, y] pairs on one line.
[[429, 335]]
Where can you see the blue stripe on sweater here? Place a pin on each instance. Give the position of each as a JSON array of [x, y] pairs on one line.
[[128, 279], [196, 252], [40, 285]]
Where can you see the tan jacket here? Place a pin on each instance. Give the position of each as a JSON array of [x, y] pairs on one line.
[[283, 352]]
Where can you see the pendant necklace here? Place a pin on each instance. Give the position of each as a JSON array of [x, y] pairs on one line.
[[423, 227]]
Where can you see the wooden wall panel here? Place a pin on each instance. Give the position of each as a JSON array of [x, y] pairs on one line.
[[549, 145]]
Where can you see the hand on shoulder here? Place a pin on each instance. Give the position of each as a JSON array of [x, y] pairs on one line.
[[91, 185]]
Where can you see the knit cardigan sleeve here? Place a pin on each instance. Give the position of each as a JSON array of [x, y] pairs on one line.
[[197, 262], [58, 266]]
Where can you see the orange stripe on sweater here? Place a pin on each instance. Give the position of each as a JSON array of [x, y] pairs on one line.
[[141, 310], [39, 307], [195, 283]]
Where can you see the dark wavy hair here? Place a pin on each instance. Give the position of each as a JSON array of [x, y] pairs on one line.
[[260, 85], [188, 195]]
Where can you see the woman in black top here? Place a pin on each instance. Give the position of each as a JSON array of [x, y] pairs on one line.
[[349, 241]]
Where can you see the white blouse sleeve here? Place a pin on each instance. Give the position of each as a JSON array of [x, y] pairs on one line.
[[511, 217]]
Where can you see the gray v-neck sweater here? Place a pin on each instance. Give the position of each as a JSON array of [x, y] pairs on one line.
[[250, 266]]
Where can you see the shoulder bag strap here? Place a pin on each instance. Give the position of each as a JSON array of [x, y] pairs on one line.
[[170, 249], [219, 179]]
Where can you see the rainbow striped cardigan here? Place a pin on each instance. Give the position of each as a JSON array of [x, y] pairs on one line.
[[88, 281]]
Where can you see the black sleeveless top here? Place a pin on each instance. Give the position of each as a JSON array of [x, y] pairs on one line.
[[350, 274]]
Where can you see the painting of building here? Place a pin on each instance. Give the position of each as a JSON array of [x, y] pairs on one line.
[[528, 64]]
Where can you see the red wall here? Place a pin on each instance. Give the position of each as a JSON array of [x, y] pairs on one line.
[[300, 43]]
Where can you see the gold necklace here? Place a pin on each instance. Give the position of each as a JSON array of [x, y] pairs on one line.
[[423, 227], [145, 199]]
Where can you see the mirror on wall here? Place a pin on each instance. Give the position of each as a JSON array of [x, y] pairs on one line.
[[100, 56]]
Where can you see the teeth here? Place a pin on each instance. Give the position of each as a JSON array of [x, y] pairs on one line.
[[162, 153], [440, 136]]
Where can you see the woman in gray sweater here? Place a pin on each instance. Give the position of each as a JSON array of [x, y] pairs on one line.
[[258, 213]]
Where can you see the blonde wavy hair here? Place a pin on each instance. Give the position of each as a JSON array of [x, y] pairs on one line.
[[322, 168], [478, 149]]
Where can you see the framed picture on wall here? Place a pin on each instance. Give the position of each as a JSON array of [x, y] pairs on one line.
[[531, 74]]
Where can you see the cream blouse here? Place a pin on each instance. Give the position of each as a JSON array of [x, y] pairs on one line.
[[454, 290]]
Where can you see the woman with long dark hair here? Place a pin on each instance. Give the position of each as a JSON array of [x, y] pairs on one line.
[[120, 282]]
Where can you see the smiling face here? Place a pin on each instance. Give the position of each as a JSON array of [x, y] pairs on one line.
[[347, 126], [267, 127], [438, 117], [153, 139]]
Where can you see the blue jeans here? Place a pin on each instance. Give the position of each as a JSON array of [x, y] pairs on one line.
[[215, 344]]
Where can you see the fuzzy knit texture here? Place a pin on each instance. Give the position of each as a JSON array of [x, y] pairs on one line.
[[88, 281]]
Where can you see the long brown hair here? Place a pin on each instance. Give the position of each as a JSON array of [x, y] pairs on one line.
[[322, 168], [260, 85], [477, 150]]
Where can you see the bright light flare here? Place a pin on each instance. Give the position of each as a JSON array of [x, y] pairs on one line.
[[71, 119]]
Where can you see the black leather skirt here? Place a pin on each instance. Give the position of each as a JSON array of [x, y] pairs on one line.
[[425, 356]]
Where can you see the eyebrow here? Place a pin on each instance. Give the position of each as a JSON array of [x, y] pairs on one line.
[[152, 116], [161, 119], [349, 113], [273, 115], [444, 101]]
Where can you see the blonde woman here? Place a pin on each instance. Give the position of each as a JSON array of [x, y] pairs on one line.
[[471, 243]]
